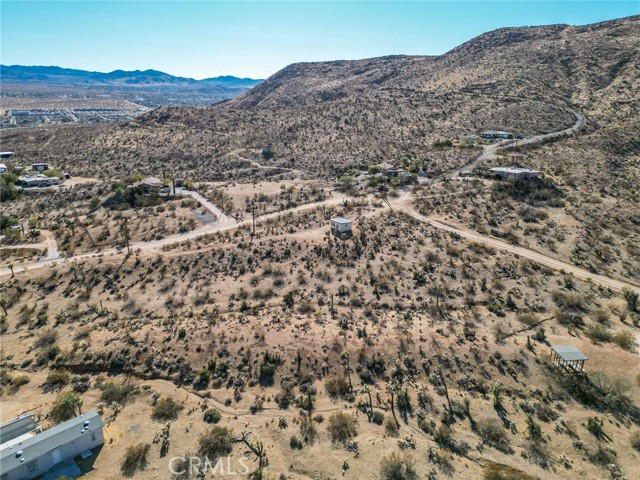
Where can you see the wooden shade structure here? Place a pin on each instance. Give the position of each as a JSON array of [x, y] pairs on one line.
[[568, 358]]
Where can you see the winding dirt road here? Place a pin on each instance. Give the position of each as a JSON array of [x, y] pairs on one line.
[[403, 205], [490, 150]]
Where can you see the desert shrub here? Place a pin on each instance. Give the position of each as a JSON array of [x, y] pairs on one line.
[[267, 368], [342, 427], [166, 409], [117, 393], [528, 318], [598, 333], [635, 440], [625, 340], [494, 434], [602, 456], [391, 427], [426, 427], [535, 451], [494, 471], [135, 459], [377, 417], [308, 430], [397, 467], [57, 379], [46, 338], [66, 406], [212, 415], [336, 386], [444, 437], [601, 316], [215, 442], [295, 443], [594, 425]]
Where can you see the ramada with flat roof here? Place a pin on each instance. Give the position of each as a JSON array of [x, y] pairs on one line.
[[568, 357]]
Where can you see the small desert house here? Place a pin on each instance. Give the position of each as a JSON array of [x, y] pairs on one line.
[[27, 453], [40, 167], [149, 184], [516, 173], [496, 134], [340, 226]]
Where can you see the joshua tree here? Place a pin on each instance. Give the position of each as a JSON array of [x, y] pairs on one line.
[[347, 367]]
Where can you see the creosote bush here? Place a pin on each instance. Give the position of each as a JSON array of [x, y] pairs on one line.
[[215, 442], [397, 467], [342, 427], [212, 415], [166, 409], [135, 459]]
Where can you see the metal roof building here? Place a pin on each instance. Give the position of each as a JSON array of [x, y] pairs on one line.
[[39, 453]]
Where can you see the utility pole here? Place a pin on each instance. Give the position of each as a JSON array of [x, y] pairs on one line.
[[253, 214]]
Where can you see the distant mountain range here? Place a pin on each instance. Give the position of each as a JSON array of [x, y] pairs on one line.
[[68, 76]]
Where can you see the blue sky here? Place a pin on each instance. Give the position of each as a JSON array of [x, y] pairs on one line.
[[246, 38]]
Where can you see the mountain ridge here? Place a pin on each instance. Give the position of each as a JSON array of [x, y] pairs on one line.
[[60, 75]]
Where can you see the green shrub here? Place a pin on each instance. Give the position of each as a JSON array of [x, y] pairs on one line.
[[57, 379], [117, 393], [598, 333], [166, 409], [625, 340], [397, 467], [135, 459], [635, 440], [46, 339], [215, 442], [342, 427], [336, 386], [377, 417], [212, 415], [391, 427], [494, 434], [65, 407]]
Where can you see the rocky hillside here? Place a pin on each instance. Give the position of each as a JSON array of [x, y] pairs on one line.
[[324, 117]]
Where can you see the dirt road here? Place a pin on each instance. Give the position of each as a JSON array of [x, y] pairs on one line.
[[225, 223], [489, 150], [403, 205]]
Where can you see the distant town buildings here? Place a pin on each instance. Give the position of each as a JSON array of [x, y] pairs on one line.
[[3, 168], [26, 452], [516, 173], [496, 134]]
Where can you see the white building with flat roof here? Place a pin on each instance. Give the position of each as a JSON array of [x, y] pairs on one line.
[[516, 173], [340, 225]]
